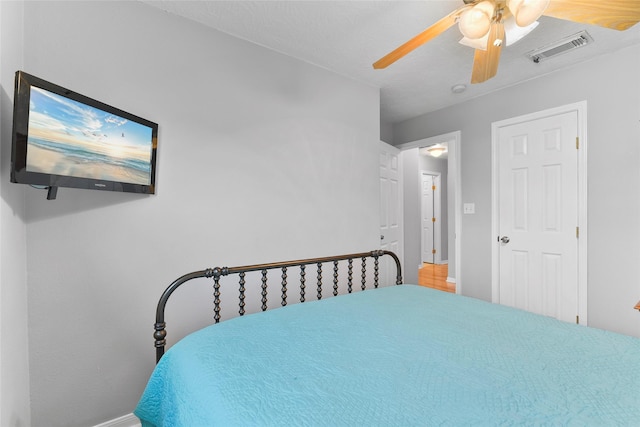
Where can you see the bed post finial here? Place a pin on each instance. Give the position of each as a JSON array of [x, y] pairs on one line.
[[160, 336], [381, 252]]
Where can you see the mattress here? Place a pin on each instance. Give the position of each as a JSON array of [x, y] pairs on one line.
[[395, 356]]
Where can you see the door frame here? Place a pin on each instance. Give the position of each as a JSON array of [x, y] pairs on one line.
[[581, 110], [455, 171]]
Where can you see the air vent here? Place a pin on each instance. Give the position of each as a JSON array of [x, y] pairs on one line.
[[561, 46]]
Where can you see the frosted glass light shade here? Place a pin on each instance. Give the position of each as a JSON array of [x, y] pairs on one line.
[[527, 11], [437, 153], [475, 22], [436, 150]]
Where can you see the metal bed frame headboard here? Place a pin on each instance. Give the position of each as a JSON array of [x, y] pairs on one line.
[[160, 333]]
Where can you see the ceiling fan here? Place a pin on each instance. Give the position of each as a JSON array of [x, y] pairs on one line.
[[483, 23]]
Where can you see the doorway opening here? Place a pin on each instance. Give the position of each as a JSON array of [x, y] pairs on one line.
[[446, 260], [433, 220]]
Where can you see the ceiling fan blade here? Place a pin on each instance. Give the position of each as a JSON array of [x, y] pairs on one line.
[[485, 62], [616, 14], [433, 31]]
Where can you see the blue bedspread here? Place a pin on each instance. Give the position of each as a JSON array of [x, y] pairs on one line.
[[398, 356]]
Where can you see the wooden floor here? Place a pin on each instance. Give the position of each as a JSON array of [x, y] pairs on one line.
[[435, 276]]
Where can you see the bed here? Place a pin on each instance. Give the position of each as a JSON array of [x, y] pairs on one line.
[[386, 356]]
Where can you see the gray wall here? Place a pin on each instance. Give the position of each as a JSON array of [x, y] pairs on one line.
[[411, 213], [261, 158], [611, 87], [14, 367], [386, 132]]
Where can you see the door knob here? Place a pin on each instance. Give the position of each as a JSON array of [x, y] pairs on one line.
[[504, 239], [382, 237]]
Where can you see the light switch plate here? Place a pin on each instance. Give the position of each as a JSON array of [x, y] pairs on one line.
[[469, 208]]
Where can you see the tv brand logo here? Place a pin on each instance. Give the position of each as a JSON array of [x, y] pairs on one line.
[[100, 185]]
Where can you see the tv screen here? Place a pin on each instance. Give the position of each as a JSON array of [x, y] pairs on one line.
[[64, 139]]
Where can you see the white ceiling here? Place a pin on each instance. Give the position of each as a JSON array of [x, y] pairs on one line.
[[348, 36]]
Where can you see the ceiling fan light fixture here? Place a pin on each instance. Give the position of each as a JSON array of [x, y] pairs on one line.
[[475, 22], [513, 34], [527, 11]]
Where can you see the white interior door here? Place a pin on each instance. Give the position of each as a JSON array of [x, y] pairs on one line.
[[428, 219], [390, 208], [538, 215]]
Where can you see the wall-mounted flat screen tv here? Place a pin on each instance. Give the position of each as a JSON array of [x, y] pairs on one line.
[[64, 139]]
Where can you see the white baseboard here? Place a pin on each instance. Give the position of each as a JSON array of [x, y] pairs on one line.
[[128, 420]]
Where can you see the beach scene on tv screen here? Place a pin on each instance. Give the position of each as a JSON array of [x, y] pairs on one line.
[[70, 138]]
